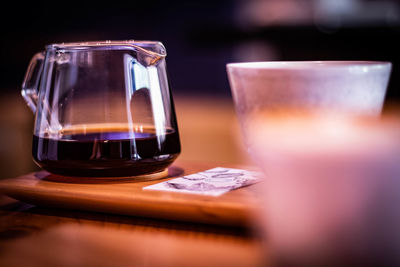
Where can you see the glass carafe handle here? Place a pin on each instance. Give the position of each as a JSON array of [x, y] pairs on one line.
[[31, 81]]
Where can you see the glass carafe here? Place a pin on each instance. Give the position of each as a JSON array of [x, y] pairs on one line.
[[102, 109]]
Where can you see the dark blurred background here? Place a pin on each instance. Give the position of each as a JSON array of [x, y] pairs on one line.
[[200, 37]]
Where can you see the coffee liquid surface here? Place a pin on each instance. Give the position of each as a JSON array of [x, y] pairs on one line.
[[106, 150]]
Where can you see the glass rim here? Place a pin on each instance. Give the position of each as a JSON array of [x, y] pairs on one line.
[[300, 65], [110, 44]]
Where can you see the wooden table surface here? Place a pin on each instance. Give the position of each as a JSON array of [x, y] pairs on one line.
[[39, 236]]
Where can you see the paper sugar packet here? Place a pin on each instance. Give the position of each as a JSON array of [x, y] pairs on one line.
[[212, 182]]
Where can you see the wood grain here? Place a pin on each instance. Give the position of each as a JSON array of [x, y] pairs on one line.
[[125, 196], [42, 236], [82, 245]]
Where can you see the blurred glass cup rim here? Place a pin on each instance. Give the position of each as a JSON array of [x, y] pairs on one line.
[[309, 65]]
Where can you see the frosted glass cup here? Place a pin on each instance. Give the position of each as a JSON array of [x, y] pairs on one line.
[[356, 87], [102, 109]]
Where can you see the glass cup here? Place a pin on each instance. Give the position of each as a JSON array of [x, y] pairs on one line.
[[331, 178], [102, 109]]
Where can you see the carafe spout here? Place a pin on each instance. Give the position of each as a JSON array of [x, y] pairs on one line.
[[149, 53]]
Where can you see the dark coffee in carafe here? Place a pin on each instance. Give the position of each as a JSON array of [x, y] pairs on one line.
[[106, 150]]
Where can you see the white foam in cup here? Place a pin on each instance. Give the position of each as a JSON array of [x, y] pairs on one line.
[[332, 188]]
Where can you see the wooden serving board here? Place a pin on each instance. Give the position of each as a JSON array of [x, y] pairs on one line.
[[125, 196]]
